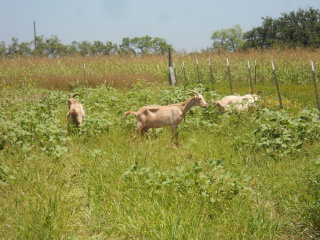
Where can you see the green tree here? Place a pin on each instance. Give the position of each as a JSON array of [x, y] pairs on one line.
[[24, 49], [13, 47], [110, 48], [40, 50], [85, 48], [227, 39], [99, 47], [294, 29], [54, 47], [160, 46], [126, 47], [142, 44], [73, 48], [3, 49]]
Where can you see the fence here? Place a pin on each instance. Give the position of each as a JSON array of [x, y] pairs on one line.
[[199, 73]]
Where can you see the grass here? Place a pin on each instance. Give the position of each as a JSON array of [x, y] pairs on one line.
[[253, 175]]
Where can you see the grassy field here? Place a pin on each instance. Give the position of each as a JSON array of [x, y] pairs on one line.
[[254, 175]]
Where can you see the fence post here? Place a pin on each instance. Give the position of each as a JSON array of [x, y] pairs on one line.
[[84, 71], [184, 73], [255, 72], [172, 79], [277, 84], [315, 85], [229, 74], [175, 74], [212, 80], [198, 71], [249, 76]]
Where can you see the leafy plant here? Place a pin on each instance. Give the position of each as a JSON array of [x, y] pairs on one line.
[[35, 125], [209, 180], [279, 134]]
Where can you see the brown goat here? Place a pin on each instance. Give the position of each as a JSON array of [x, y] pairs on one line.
[[165, 116], [76, 113]]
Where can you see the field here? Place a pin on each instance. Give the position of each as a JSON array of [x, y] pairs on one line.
[[251, 175]]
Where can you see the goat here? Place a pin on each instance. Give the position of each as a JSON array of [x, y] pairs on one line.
[[165, 116], [76, 113], [240, 103]]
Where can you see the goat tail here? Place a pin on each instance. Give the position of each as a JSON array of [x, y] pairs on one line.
[[130, 112]]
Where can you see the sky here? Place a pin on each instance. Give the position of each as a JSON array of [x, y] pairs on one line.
[[186, 24]]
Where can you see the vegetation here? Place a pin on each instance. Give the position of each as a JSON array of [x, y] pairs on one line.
[[52, 47], [227, 39], [253, 175], [294, 29]]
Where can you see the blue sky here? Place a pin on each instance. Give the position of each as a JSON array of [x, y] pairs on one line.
[[186, 24]]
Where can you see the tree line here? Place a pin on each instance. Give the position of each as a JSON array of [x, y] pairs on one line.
[[52, 47], [293, 29]]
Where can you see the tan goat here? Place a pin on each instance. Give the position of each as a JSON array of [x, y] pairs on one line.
[[239, 103], [76, 113], [165, 116]]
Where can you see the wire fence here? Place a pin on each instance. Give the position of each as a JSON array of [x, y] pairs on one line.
[[290, 87]]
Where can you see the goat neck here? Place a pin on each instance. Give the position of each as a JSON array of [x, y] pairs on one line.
[[188, 104]]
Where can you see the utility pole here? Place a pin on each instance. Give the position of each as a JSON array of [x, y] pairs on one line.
[[35, 35]]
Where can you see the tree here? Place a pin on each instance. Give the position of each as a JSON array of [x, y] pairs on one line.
[[3, 49], [160, 46], [142, 44], [294, 29], [85, 48], [54, 47], [24, 49], [41, 47], [126, 48], [72, 49], [110, 48], [227, 39], [13, 48], [99, 47]]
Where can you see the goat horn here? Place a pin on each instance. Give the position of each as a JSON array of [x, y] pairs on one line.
[[77, 94], [194, 92]]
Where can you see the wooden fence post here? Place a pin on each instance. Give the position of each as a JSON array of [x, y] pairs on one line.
[[212, 80], [315, 85], [198, 71], [250, 79], [172, 80], [229, 74], [255, 72], [277, 84], [175, 74], [184, 73]]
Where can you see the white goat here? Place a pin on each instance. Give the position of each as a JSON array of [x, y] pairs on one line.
[[240, 103], [165, 116], [76, 113]]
